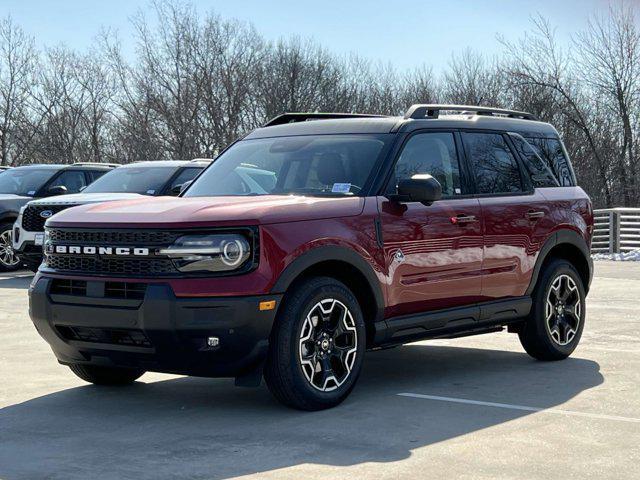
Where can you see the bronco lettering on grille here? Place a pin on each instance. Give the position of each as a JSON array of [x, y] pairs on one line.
[[93, 250]]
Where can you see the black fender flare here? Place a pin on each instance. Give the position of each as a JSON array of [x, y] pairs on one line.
[[332, 253], [559, 237]]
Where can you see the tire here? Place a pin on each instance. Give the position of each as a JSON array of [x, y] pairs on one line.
[[554, 327], [9, 261], [106, 375], [298, 346]]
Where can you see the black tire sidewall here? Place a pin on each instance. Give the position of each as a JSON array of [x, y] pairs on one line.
[[292, 321], [540, 330]]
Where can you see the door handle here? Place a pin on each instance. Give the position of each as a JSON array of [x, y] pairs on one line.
[[534, 214], [462, 218]]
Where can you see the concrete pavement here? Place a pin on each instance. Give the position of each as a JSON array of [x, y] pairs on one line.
[[476, 408]]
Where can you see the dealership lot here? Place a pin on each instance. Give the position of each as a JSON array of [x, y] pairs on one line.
[[476, 407]]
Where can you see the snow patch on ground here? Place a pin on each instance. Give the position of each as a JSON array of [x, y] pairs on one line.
[[632, 256]]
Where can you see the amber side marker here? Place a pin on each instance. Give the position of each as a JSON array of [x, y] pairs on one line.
[[267, 305]]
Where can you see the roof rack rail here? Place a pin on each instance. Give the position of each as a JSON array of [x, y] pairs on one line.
[[433, 111], [303, 117], [98, 164], [201, 160]]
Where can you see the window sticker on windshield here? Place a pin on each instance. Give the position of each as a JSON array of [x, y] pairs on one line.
[[151, 192], [341, 188], [31, 192]]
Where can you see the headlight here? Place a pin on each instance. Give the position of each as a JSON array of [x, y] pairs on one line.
[[209, 253]]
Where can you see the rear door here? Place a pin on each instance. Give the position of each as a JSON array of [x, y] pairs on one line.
[[433, 252], [511, 210]]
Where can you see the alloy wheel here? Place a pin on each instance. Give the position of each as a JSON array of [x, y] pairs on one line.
[[563, 310], [328, 345], [8, 257]]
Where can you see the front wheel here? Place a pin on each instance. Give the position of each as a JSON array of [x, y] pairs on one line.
[[555, 324], [8, 258], [317, 346], [106, 375]]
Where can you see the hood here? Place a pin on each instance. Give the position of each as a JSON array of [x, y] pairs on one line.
[[83, 198], [12, 203], [207, 211]]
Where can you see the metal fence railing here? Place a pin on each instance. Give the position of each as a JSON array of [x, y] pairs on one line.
[[616, 230]]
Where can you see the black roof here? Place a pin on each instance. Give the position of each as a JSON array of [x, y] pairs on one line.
[[471, 118]]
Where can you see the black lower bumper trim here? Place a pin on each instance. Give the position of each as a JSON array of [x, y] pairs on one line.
[[159, 332]]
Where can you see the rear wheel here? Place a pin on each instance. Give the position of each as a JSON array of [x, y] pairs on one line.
[[555, 324], [8, 258], [106, 375], [317, 347]]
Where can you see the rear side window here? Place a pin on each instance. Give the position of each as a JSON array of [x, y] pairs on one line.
[[539, 172], [432, 153], [551, 151], [496, 169]]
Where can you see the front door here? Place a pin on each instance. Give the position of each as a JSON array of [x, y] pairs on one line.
[[433, 252]]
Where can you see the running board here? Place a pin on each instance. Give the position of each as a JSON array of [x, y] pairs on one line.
[[451, 322]]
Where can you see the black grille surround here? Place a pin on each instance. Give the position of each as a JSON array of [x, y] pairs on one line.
[[153, 265], [31, 219]]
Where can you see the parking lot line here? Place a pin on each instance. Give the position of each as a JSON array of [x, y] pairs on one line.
[[520, 407]]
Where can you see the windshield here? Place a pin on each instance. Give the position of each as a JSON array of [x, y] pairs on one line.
[[24, 181], [336, 165], [142, 180]]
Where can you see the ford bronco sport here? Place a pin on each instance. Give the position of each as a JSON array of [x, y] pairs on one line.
[[318, 237]]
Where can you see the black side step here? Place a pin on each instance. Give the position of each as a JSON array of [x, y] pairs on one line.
[[451, 322]]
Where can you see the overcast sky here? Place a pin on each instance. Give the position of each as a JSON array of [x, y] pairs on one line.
[[406, 33]]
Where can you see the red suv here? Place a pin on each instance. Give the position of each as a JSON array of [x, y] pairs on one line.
[[318, 237]]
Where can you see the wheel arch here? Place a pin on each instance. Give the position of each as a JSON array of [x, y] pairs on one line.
[[568, 245], [9, 217], [343, 264]]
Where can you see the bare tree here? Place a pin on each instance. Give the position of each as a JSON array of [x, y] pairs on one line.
[[17, 60], [609, 50]]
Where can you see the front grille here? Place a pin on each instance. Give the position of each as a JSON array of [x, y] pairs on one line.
[[116, 266], [123, 290], [124, 266], [69, 287], [113, 237], [31, 219], [126, 290], [111, 336]]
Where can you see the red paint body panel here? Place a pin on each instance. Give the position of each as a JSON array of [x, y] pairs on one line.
[[442, 259], [446, 264], [172, 212]]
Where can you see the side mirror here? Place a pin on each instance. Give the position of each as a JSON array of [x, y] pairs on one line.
[[57, 190], [421, 188], [176, 189]]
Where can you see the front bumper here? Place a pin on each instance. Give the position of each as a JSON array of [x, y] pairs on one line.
[[156, 332]]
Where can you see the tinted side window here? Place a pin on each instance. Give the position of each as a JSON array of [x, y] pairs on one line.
[[550, 149], [95, 174], [186, 175], [432, 153], [74, 180], [496, 169], [539, 172]]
